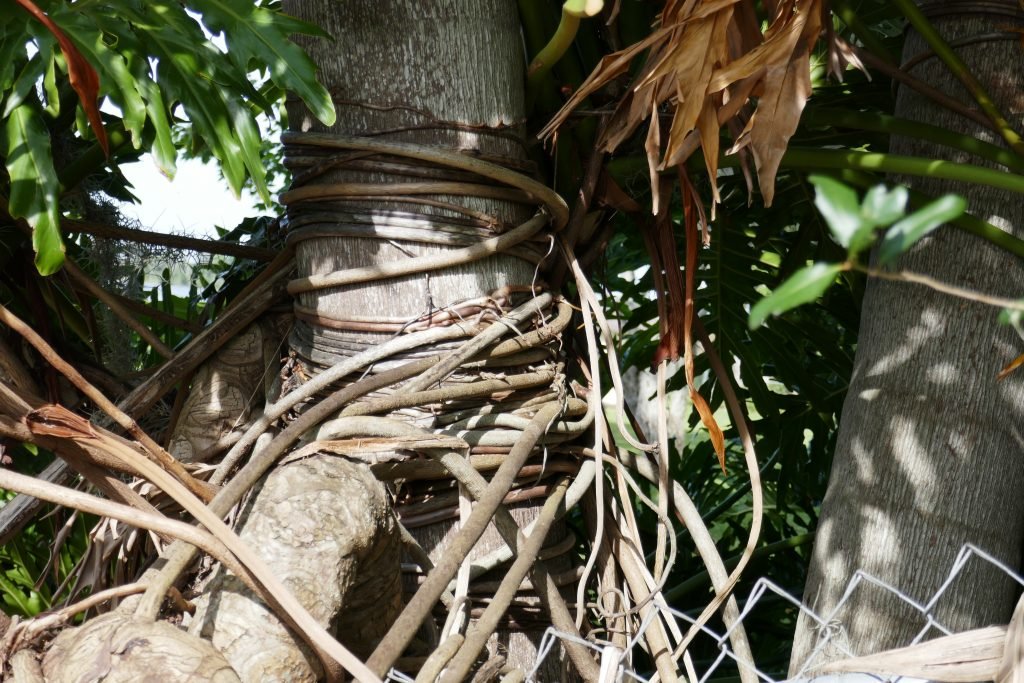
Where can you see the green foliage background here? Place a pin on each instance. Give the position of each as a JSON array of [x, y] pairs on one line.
[[171, 92]]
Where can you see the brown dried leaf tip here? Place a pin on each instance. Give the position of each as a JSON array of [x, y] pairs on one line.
[[707, 59]]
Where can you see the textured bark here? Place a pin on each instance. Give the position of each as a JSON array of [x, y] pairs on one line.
[[447, 74], [14, 373], [25, 668], [226, 390], [324, 526], [458, 62], [930, 453], [120, 649]]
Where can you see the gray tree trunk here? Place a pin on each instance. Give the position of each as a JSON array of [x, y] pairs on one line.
[[930, 453], [446, 74]]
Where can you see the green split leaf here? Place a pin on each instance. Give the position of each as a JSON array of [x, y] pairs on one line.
[[163, 60], [12, 44], [116, 80], [255, 34], [165, 154], [34, 185], [25, 81], [50, 90], [805, 285], [185, 71]]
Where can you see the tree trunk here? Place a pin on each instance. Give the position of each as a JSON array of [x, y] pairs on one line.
[[930, 453], [448, 75]]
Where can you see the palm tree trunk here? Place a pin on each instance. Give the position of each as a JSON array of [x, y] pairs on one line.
[[930, 453], [444, 75]]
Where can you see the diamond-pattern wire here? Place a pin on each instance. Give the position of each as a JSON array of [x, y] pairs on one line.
[[830, 627]]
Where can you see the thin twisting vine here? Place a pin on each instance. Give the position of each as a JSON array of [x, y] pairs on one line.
[[475, 392]]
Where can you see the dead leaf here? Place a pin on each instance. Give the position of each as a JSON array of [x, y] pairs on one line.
[[787, 88], [82, 76], [693, 70], [707, 127], [610, 194], [668, 282], [842, 55], [709, 59], [690, 216], [707, 418], [653, 148], [1011, 666], [609, 68]]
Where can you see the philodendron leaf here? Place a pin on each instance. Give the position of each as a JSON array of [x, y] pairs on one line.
[[165, 154], [804, 286], [840, 208], [12, 44], [26, 80], [256, 34], [81, 74], [51, 101], [902, 235], [34, 185], [118, 82], [210, 107]]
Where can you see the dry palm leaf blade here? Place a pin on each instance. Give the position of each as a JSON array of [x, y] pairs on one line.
[[707, 60], [1011, 667]]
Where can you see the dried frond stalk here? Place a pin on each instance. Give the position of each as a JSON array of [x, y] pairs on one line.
[[969, 656]]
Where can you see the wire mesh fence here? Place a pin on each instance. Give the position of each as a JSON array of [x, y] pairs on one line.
[[616, 664]]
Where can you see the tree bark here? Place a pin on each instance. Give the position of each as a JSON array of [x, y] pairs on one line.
[[444, 74], [227, 389], [930, 453]]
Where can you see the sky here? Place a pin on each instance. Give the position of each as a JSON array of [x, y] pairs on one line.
[[195, 201], [192, 204]]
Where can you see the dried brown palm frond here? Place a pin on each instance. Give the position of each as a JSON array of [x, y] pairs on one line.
[[708, 59]]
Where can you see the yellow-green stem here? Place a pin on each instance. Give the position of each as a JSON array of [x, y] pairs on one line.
[[553, 51]]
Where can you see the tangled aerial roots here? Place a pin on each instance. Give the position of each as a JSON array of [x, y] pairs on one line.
[[117, 648]]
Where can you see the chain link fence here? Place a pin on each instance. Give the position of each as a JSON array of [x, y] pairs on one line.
[[616, 664]]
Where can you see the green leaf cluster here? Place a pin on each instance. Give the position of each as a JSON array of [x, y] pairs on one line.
[[35, 566], [856, 226], [159, 70]]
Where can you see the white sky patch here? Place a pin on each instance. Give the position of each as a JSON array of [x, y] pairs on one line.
[[196, 200], [193, 203]]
